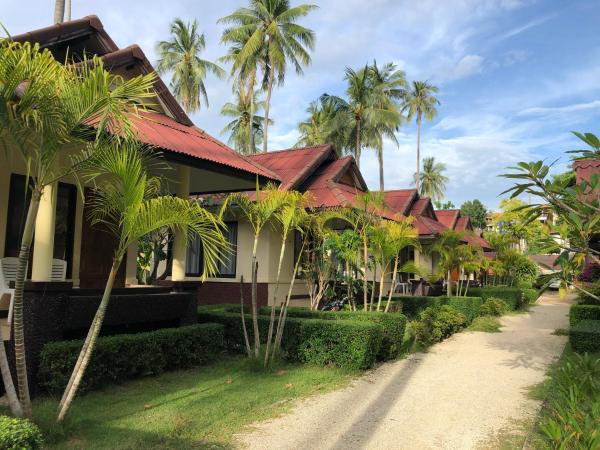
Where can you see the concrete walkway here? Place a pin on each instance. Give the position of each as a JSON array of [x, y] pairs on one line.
[[458, 395]]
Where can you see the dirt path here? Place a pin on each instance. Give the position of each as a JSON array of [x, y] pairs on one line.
[[456, 396]]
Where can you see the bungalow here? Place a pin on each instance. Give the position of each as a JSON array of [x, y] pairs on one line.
[[332, 181], [70, 258]]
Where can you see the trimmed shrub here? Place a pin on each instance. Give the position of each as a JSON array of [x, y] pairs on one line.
[[584, 336], [393, 325], [494, 307], [350, 344], [437, 324], [413, 306], [123, 357], [513, 296], [585, 299], [19, 434], [577, 313]]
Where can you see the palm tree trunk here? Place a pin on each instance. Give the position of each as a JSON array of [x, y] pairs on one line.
[[283, 312], [380, 158], [254, 299], [251, 94], [373, 288], [9, 387], [68, 10], [59, 11], [417, 180], [18, 325], [365, 282], [88, 346], [267, 107], [275, 291], [449, 289], [394, 274], [380, 288], [357, 144], [244, 329]]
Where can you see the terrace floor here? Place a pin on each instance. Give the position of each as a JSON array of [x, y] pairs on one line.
[[470, 391]]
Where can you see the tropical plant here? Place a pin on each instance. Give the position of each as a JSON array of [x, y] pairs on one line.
[[476, 212], [432, 181], [45, 109], [290, 218], [246, 125], [180, 55], [453, 252], [346, 248], [321, 126], [267, 30], [420, 102], [443, 205], [578, 208], [127, 202], [259, 211]]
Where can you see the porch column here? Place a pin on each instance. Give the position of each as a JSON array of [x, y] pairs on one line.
[[43, 243], [182, 190]]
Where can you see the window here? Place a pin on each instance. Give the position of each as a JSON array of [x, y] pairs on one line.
[[194, 263], [18, 203]]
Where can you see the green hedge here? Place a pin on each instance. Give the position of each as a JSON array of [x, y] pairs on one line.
[[19, 434], [350, 344], [584, 336], [577, 313], [413, 306], [122, 357], [393, 325], [530, 295], [514, 296]]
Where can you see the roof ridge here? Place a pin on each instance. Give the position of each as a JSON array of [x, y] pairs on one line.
[[321, 146]]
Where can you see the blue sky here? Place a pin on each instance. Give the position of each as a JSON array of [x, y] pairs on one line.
[[515, 76]]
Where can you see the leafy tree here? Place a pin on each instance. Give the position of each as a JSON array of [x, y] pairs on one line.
[[127, 201], [514, 220], [46, 108], [246, 125], [443, 205], [577, 207], [420, 102], [268, 31], [180, 55], [476, 212], [432, 181], [321, 126]]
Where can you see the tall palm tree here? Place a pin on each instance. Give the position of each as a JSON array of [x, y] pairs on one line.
[[431, 180], [389, 87], [321, 126], [45, 108], [420, 102], [127, 201], [268, 31], [246, 126], [181, 56]]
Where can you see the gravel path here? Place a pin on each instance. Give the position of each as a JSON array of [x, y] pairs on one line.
[[456, 396]]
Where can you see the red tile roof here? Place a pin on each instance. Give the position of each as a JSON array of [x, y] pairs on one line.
[[163, 132], [462, 224], [400, 200], [448, 217], [428, 226], [326, 189], [294, 166]]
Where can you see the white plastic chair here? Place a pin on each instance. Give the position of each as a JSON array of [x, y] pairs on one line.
[[59, 270]]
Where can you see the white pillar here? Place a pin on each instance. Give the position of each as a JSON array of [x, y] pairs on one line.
[[131, 265], [43, 243], [179, 240]]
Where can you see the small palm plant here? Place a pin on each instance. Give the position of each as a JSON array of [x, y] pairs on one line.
[[127, 202], [449, 248], [401, 234], [45, 109], [259, 212]]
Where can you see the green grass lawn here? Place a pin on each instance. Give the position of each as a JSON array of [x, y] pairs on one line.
[[194, 409]]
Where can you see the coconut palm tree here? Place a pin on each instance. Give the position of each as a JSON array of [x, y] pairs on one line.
[[127, 201], [389, 85], [181, 56], [432, 181], [246, 126], [46, 107], [268, 31], [420, 102]]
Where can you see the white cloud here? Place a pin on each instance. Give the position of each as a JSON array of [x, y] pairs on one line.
[[467, 66], [522, 28], [541, 111]]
